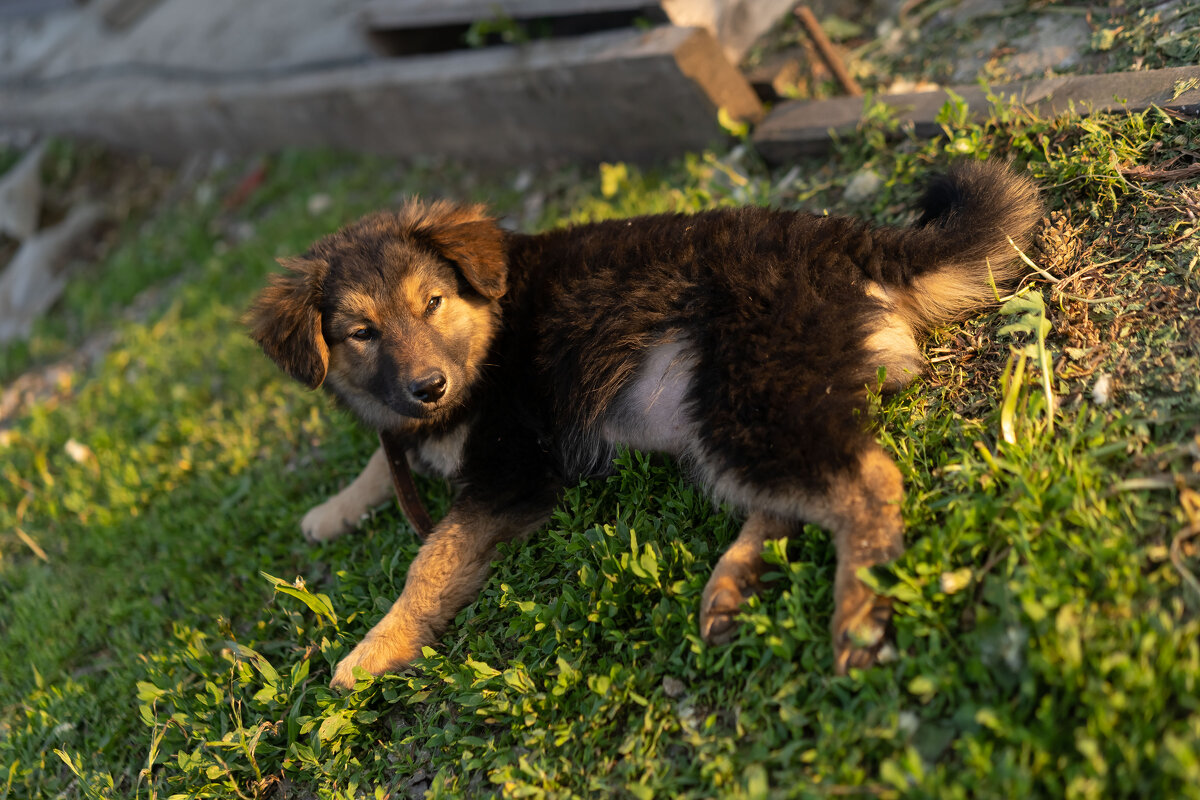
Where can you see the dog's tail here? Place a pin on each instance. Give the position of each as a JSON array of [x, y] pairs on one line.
[[948, 262]]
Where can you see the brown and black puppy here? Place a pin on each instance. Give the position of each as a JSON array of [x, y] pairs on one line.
[[739, 341]]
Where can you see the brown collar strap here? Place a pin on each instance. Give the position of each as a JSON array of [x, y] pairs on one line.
[[402, 481]]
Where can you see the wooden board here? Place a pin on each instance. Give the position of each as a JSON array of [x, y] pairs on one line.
[[400, 14], [736, 24], [800, 128]]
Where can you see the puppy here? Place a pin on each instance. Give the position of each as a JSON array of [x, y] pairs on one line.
[[742, 342]]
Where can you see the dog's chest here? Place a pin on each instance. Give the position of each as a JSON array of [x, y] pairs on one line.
[[440, 455], [651, 412]]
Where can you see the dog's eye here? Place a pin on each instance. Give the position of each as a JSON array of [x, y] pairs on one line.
[[362, 334], [434, 304]]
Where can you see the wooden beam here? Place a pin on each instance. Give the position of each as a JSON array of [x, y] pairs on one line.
[[407, 14], [736, 24], [801, 128]]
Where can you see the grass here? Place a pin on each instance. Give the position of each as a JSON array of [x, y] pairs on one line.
[[1048, 637]]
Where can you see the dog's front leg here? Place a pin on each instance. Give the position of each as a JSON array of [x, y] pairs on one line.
[[447, 573], [343, 512]]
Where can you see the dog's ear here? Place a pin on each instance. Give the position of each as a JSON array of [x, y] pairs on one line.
[[477, 247], [285, 320]]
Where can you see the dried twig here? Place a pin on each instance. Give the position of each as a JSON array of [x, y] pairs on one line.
[[826, 51], [1147, 175], [1177, 557]]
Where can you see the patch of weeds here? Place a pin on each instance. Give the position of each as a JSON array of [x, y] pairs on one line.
[[1045, 630]]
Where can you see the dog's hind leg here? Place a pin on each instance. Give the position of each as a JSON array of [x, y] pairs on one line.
[[446, 575], [737, 575], [342, 513], [861, 507]]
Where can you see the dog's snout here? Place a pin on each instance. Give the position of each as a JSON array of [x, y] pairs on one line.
[[429, 388]]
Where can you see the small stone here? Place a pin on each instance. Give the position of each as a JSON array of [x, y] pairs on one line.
[[523, 180], [319, 203], [955, 581], [673, 687], [79, 453], [1102, 390], [863, 185]]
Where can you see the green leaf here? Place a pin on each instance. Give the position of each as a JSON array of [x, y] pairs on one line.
[[482, 669], [736, 128], [333, 725], [260, 664]]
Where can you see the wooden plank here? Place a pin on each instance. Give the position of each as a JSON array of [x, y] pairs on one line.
[[618, 95], [736, 24], [405, 14], [802, 128]]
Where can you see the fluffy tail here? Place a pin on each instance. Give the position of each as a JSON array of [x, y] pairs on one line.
[[942, 264]]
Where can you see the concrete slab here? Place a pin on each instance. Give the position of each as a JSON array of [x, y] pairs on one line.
[[803, 128], [217, 36], [618, 95], [249, 77]]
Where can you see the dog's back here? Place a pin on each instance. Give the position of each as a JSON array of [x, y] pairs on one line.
[[798, 307]]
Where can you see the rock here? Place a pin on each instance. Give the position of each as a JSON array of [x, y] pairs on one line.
[[1053, 44], [35, 277], [863, 185], [21, 195], [319, 203], [79, 453]]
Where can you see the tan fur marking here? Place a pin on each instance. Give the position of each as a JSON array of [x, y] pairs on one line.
[[475, 320], [413, 292], [939, 297], [892, 341], [354, 306]]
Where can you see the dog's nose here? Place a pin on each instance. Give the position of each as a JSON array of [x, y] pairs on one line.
[[429, 388]]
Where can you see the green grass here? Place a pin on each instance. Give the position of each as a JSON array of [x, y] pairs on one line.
[[1048, 639]]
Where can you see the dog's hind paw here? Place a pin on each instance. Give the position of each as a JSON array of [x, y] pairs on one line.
[[717, 623], [860, 632], [719, 606]]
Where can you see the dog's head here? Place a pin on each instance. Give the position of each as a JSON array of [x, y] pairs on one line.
[[393, 314]]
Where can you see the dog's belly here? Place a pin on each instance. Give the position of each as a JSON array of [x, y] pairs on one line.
[[651, 412]]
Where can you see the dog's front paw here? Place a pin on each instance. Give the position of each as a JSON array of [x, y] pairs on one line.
[[860, 624], [376, 656], [327, 521]]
